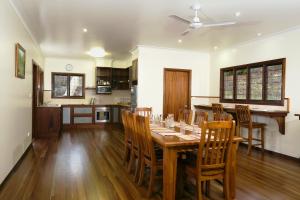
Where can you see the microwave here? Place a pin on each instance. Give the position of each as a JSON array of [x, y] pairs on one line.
[[103, 89]]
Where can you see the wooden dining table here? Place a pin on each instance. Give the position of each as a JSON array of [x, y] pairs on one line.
[[171, 146]]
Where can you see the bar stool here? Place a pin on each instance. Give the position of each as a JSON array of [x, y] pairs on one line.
[[185, 115], [200, 117], [244, 120], [144, 111], [217, 110]]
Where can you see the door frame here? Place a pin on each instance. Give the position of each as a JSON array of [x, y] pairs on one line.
[[190, 86], [36, 72]]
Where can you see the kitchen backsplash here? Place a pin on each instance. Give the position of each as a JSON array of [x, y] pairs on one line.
[[117, 96]]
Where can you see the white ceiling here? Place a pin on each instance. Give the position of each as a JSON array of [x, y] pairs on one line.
[[119, 25]]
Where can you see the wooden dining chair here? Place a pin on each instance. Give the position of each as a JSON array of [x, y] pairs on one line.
[[135, 152], [127, 141], [223, 117], [185, 115], [200, 117], [244, 120], [214, 155], [150, 156], [144, 111], [217, 110]]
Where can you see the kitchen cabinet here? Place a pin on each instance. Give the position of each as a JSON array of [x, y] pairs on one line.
[[114, 78], [103, 80], [133, 72], [48, 121], [90, 116], [103, 76], [120, 78], [115, 114]]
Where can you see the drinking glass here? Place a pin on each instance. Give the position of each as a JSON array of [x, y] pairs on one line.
[[195, 129], [171, 120], [182, 126], [167, 122]]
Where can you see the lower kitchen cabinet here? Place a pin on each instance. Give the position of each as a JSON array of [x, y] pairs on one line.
[[48, 121], [90, 116]]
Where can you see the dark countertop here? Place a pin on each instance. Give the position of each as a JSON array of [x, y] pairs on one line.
[[49, 106], [97, 105]]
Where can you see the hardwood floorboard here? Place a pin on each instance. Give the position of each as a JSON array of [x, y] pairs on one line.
[[87, 164]]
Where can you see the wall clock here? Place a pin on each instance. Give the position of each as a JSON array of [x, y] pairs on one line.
[[69, 67]]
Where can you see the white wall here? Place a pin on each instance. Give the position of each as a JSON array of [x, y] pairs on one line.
[[15, 101], [152, 62], [87, 67], [283, 45]]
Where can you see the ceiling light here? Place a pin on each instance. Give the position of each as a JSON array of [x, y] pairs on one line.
[[237, 14], [85, 30], [216, 47], [258, 34], [97, 52], [179, 41]]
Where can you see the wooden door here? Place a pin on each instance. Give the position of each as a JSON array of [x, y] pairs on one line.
[[177, 90]]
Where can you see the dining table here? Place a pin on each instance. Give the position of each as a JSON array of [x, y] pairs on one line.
[[177, 140]]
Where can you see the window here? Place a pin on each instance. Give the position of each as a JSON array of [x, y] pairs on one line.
[[67, 85], [255, 83]]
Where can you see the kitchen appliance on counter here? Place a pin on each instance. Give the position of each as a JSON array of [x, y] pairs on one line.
[[133, 93], [103, 89], [92, 101], [102, 114]]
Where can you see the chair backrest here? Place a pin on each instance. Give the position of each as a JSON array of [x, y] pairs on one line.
[[223, 117], [185, 115], [200, 117], [217, 110], [143, 127], [215, 145], [124, 115], [243, 114], [144, 111], [132, 129]]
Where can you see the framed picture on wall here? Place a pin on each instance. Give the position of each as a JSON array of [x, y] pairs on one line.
[[20, 60]]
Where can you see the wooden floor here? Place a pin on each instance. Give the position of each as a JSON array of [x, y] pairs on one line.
[[87, 164]]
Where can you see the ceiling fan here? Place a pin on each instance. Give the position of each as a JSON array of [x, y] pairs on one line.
[[196, 23]]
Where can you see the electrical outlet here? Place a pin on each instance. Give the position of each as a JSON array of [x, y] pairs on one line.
[[28, 134]]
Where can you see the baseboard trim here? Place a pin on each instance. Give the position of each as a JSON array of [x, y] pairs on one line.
[[15, 167], [273, 153]]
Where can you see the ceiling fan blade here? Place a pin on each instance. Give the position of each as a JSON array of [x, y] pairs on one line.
[[186, 32], [180, 19], [218, 24], [206, 17]]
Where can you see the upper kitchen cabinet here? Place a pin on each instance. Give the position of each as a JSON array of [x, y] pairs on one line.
[[103, 80], [103, 76], [120, 79], [133, 72]]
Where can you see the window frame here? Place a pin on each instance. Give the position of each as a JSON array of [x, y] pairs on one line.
[[264, 65], [68, 86]]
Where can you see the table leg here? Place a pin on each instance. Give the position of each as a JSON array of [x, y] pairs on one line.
[[169, 173], [233, 170]]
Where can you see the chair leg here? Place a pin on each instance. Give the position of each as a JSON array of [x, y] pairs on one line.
[[142, 172], [130, 162], [262, 132], [238, 130], [226, 187], [249, 141], [152, 178], [207, 188], [126, 155], [199, 189], [137, 169]]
